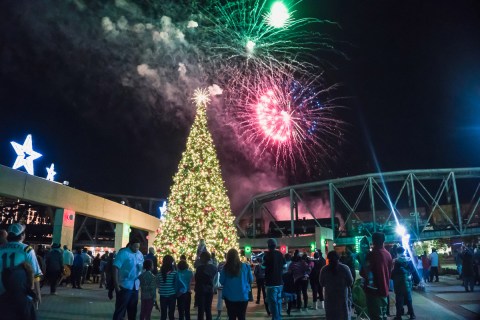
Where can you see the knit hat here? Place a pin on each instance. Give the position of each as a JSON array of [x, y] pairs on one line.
[[272, 243], [16, 228]]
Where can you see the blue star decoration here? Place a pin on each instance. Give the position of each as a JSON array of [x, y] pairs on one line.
[[51, 173], [25, 155]]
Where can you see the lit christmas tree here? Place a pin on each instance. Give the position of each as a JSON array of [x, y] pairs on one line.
[[198, 206]]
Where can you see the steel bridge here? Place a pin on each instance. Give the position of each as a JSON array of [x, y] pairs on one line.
[[432, 204]]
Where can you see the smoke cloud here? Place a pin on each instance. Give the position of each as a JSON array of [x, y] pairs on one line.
[[131, 68]]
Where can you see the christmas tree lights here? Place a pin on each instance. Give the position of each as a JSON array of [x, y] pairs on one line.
[[198, 206]]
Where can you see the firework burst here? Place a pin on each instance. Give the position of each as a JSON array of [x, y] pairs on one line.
[[244, 36], [292, 120]]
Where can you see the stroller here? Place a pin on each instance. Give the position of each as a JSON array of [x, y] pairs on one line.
[[359, 300]]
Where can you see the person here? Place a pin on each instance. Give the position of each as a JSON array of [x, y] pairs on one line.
[[301, 271], [402, 273], [151, 256], [219, 289], [377, 272], [433, 265], [318, 263], [16, 252], [236, 278], [336, 278], [166, 282], [109, 274], [468, 273], [3, 236], [127, 266], [183, 292], [204, 276], [67, 265], [289, 292], [77, 269], [54, 266], [259, 273], [419, 268], [274, 264], [96, 269], [426, 267], [148, 288], [202, 247], [87, 261], [476, 260], [349, 261], [458, 262], [103, 263], [17, 302], [288, 261]]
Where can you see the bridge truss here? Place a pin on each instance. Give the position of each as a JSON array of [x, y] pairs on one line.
[[432, 204]]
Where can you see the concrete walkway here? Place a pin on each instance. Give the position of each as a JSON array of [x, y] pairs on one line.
[[442, 300]]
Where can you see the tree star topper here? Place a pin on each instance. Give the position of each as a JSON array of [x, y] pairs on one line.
[[201, 96], [25, 155], [51, 173]]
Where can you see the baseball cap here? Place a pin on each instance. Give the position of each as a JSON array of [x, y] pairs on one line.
[[16, 228]]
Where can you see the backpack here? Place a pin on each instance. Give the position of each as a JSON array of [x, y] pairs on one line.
[[259, 272]]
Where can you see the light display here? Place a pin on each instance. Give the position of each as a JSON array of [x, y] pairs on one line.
[[278, 15], [25, 155], [51, 172], [198, 206]]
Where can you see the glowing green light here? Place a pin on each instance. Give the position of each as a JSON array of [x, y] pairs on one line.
[[248, 250], [278, 15], [312, 246]]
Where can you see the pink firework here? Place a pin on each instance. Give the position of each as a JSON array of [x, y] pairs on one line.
[[275, 122], [291, 120]]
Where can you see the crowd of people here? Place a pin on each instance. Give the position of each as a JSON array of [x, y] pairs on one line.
[[281, 280]]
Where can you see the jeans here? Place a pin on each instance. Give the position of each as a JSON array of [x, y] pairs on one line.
[[146, 309], [236, 309], [434, 273], [317, 289], [204, 305], [53, 277], [76, 276], [400, 299], [274, 298], [167, 306], [183, 304], [469, 281], [301, 287], [260, 289], [426, 275], [126, 301]]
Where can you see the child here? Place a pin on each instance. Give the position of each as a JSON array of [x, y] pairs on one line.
[[184, 294], [289, 290], [148, 287]]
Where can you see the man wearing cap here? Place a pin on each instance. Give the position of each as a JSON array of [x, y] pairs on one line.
[[273, 263], [15, 252]]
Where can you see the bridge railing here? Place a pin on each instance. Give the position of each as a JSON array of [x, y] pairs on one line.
[[444, 202]]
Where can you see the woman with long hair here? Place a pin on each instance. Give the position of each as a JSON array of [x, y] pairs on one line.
[[166, 281], [236, 278], [336, 279]]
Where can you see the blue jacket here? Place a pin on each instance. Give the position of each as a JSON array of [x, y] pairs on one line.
[[236, 287]]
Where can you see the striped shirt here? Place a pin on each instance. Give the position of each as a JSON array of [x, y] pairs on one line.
[[167, 288]]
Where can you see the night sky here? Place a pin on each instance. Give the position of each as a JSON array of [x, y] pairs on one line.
[[409, 83]]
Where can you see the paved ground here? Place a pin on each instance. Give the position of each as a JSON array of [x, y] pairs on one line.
[[443, 300]]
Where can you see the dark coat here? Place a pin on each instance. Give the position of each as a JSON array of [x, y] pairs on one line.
[[402, 275]]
